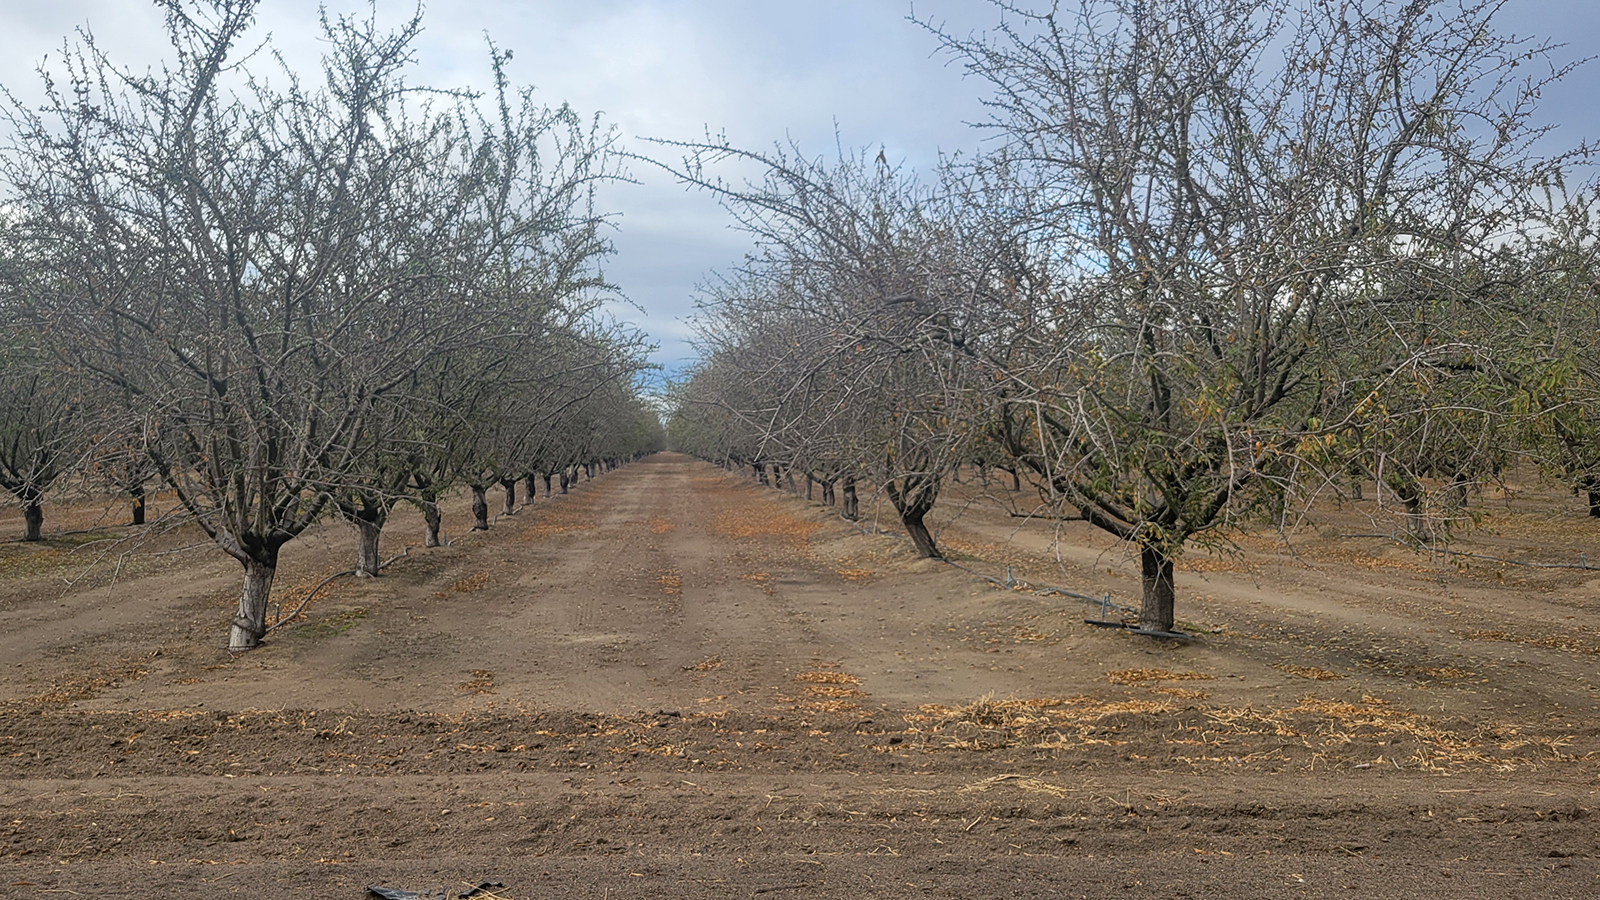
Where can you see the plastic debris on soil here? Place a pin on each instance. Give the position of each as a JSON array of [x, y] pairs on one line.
[[484, 889]]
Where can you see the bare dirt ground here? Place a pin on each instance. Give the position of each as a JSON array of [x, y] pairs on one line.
[[674, 683]]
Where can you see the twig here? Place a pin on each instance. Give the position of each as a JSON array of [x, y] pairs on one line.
[[284, 620], [1020, 515]]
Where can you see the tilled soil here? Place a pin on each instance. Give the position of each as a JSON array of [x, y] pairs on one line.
[[674, 683]]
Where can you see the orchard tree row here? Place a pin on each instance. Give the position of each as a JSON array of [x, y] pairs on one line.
[[1221, 257], [283, 300]]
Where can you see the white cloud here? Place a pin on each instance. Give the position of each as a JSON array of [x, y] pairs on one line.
[[764, 72]]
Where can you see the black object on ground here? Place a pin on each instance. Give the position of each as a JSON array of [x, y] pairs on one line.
[[482, 888]]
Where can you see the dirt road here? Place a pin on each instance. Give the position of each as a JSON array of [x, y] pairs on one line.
[[673, 683]]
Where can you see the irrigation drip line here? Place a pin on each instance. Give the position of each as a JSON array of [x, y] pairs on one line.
[[284, 620], [1582, 564], [1014, 583]]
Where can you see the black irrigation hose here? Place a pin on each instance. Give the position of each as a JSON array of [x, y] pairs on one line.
[[284, 620], [1582, 564], [1046, 590]]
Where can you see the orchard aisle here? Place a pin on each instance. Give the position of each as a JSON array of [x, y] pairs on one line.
[[673, 682]]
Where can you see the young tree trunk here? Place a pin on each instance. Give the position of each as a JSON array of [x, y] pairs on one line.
[[1016, 480], [137, 492], [1590, 485], [827, 493], [433, 518], [250, 625], [913, 503], [509, 485], [367, 561], [1156, 609], [566, 481], [32, 519], [809, 484], [852, 509], [1410, 494], [761, 473], [480, 508], [920, 536], [528, 483], [788, 478]]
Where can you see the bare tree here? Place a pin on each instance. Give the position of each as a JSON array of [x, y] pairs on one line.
[[43, 414], [263, 272], [847, 330], [1224, 192]]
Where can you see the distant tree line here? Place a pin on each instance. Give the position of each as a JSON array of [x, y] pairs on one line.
[[283, 300], [1223, 257]]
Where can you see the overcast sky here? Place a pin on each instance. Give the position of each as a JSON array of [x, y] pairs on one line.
[[759, 71]]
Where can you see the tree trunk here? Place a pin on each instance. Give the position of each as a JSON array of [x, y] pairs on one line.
[[827, 493], [1594, 502], [809, 484], [32, 519], [913, 504], [1016, 481], [920, 536], [480, 508], [852, 509], [432, 516], [1156, 609], [367, 561], [1410, 494], [566, 481], [250, 625], [137, 492], [761, 473], [547, 477], [528, 483], [509, 485], [788, 478]]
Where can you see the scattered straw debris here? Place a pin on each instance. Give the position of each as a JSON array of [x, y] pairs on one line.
[[1141, 676], [827, 678], [767, 521], [856, 574], [817, 705], [705, 665], [659, 525], [1447, 672], [990, 724], [671, 584], [1020, 782], [474, 582], [1312, 672], [832, 690], [482, 682], [1568, 644]]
